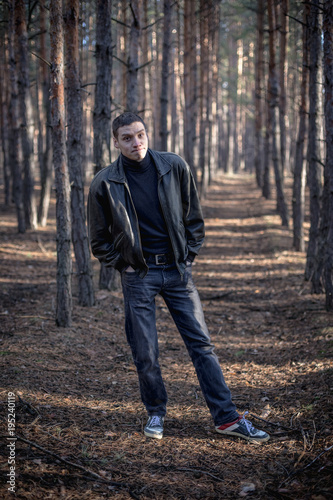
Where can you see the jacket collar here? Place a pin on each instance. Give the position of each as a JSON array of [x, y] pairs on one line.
[[162, 165], [117, 173]]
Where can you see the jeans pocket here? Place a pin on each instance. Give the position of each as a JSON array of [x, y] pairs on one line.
[[129, 278]]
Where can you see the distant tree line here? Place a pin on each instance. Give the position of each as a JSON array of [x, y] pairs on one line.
[[231, 85]]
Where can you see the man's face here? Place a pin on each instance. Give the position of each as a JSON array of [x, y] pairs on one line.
[[132, 141]]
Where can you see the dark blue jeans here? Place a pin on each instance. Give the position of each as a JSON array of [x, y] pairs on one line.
[[183, 302]]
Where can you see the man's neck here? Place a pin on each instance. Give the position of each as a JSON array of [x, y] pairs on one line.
[[128, 163]]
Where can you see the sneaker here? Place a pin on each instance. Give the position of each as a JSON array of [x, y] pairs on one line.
[[244, 429], [154, 427]]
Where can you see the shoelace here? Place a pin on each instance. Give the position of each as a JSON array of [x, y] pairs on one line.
[[248, 424], [155, 421]]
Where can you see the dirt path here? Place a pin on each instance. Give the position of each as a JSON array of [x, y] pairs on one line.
[[78, 389]]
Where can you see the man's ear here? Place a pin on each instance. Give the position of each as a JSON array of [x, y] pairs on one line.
[[115, 142]]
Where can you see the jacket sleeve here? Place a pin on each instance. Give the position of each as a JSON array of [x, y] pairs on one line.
[[192, 213], [99, 225]]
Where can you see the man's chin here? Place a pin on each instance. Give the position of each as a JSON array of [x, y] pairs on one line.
[[139, 155]]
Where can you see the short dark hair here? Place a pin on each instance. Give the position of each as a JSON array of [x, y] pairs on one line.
[[125, 119]]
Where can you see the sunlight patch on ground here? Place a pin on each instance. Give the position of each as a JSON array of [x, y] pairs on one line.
[[27, 253]]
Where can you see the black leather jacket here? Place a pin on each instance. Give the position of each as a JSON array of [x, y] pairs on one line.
[[112, 220]]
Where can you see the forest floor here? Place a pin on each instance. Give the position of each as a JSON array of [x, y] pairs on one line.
[[78, 414]]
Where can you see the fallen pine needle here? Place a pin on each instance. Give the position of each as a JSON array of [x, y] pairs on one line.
[[72, 464]]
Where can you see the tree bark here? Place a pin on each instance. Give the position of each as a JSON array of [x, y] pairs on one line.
[[259, 76], [298, 200], [145, 94], [132, 101], [203, 97], [237, 58], [4, 122], [46, 171], [14, 136], [273, 93], [328, 107], [266, 179], [214, 94], [228, 167], [26, 115], [190, 87], [231, 150], [63, 216], [74, 154], [176, 85], [314, 177], [164, 98], [102, 107], [284, 31]]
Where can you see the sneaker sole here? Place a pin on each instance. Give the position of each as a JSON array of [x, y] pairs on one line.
[[241, 436], [153, 435]]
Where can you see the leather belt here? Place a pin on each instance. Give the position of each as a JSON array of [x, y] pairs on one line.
[[160, 259]]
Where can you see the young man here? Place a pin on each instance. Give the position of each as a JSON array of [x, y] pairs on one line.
[[145, 220]]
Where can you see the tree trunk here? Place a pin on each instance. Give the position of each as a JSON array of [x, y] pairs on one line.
[[190, 79], [26, 115], [102, 108], [220, 106], [4, 124], [175, 90], [229, 128], [235, 108], [46, 171], [214, 118], [133, 58], [293, 115], [328, 107], [204, 78], [164, 98], [272, 105], [259, 76], [232, 152], [125, 21], [284, 29], [266, 179], [313, 147], [74, 154], [298, 200], [145, 77], [212, 90], [63, 216], [14, 136]]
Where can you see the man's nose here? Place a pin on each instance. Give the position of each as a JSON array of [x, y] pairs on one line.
[[136, 141]]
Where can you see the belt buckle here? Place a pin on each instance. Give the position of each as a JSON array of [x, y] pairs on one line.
[[157, 261]]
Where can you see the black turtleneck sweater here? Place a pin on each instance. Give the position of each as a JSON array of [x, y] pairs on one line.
[[142, 179]]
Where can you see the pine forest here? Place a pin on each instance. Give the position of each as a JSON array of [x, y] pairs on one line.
[[243, 91]]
